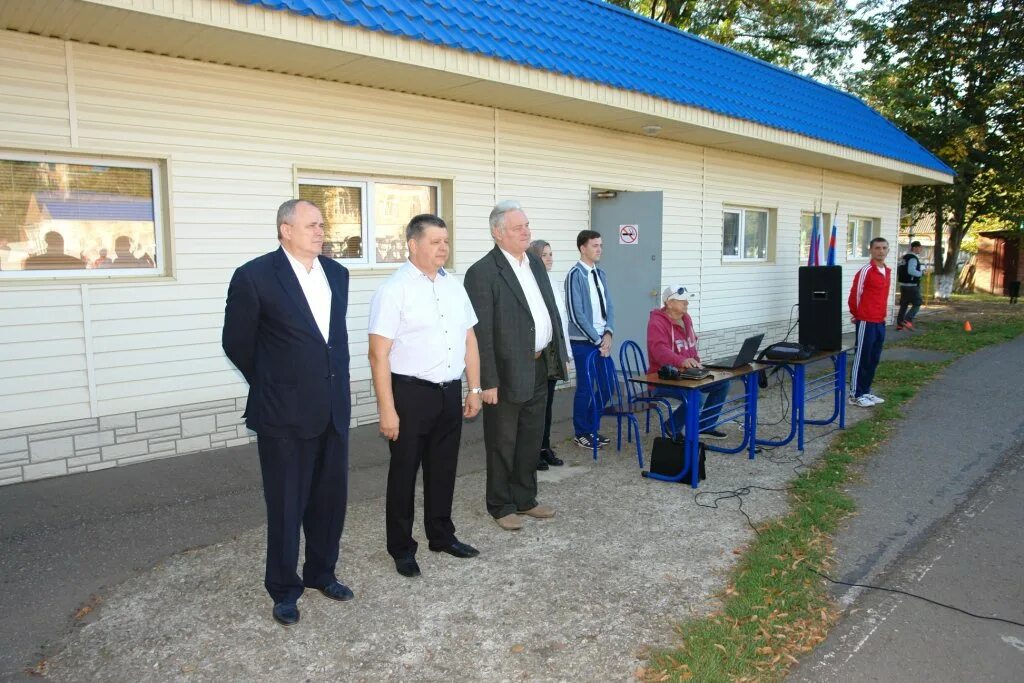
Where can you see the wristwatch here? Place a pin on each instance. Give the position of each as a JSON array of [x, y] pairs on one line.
[[476, 390]]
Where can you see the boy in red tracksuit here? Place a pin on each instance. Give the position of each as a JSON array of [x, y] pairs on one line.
[[869, 303]]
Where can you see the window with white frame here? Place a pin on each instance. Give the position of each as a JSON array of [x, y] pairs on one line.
[[806, 218], [745, 234], [75, 217], [365, 218], [859, 233]]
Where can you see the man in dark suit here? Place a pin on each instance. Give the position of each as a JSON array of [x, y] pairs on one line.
[[284, 329], [521, 347]]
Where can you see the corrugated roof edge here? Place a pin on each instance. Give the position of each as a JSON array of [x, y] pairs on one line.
[[937, 164], [718, 46]]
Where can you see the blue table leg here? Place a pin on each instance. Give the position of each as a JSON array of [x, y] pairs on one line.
[[751, 417], [692, 442], [799, 402], [840, 360]]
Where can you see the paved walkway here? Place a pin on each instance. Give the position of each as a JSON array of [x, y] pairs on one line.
[[939, 515]]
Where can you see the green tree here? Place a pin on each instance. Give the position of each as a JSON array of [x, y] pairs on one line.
[[808, 36], [951, 74]]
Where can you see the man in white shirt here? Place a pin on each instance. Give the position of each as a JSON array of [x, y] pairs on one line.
[[421, 341], [284, 329], [521, 347]]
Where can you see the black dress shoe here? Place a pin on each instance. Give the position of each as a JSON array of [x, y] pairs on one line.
[[541, 462], [407, 566], [286, 613], [458, 549], [548, 456], [337, 591]]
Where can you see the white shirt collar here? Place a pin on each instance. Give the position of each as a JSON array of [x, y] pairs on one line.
[[412, 271], [514, 261], [299, 266], [586, 267]]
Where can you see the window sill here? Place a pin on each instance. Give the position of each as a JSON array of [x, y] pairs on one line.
[[32, 280]]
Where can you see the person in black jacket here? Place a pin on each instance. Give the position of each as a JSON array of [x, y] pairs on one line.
[[909, 275], [284, 329]]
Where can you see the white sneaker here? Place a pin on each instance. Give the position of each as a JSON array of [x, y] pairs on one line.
[[862, 401], [875, 399]]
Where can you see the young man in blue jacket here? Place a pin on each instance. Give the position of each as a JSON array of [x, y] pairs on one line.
[[591, 324]]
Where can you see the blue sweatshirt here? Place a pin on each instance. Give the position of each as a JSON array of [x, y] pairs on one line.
[[579, 309]]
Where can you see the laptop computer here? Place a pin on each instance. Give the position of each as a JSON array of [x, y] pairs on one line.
[[746, 354]]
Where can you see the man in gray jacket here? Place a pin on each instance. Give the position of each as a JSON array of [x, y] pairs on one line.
[[591, 325], [521, 347]]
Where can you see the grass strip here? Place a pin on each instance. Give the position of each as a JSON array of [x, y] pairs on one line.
[[773, 609]]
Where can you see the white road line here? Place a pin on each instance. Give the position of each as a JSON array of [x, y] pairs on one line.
[[1013, 641]]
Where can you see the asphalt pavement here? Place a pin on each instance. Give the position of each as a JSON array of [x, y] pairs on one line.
[[939, 515]]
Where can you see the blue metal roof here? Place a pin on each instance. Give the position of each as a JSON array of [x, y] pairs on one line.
[[594, 41], [94, 206]]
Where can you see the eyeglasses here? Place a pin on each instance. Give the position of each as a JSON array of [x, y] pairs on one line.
[[681, 291]]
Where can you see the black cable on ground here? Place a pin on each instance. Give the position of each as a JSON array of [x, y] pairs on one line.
[[914, 595], [745, 490]]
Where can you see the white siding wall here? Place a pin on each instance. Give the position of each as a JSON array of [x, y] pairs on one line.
[[233, 137], [42, 362], [552, 166]]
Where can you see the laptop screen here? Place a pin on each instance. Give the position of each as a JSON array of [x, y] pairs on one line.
[[749, 349]]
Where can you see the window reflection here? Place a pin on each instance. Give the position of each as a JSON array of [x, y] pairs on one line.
[[342, 207], [395, 205], [349, 234], [64, 216]]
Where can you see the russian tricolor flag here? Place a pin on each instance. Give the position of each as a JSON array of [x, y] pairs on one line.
[[831, 260]]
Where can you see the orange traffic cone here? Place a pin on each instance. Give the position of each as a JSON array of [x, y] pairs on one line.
[[967, 326]]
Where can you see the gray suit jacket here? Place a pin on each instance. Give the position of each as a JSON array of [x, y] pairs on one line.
[[505, 331]]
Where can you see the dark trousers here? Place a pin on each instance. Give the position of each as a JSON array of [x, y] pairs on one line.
[[305, 483], [512, 437], [909, 297], [870, 338], [429, 429], [545, 443]]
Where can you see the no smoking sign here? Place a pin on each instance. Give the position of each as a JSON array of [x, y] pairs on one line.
[[629, 234]]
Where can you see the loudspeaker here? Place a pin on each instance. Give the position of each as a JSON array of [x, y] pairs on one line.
[[821, 307]]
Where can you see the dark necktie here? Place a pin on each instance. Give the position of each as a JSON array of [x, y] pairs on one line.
[[600, 297]]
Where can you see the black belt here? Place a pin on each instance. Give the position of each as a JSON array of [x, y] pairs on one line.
[[408, 379]]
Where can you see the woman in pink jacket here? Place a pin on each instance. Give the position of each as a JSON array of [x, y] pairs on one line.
[[671, 340]]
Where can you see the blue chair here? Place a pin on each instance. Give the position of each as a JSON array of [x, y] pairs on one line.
[[633, 364], [604, 399]]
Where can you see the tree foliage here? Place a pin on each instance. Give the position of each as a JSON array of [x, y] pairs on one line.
[[951, 74], [808, 36]]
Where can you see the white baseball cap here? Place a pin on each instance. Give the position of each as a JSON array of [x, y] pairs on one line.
[[677, 292]]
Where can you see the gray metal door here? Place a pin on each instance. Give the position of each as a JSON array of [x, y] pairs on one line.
[[630, 227]]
